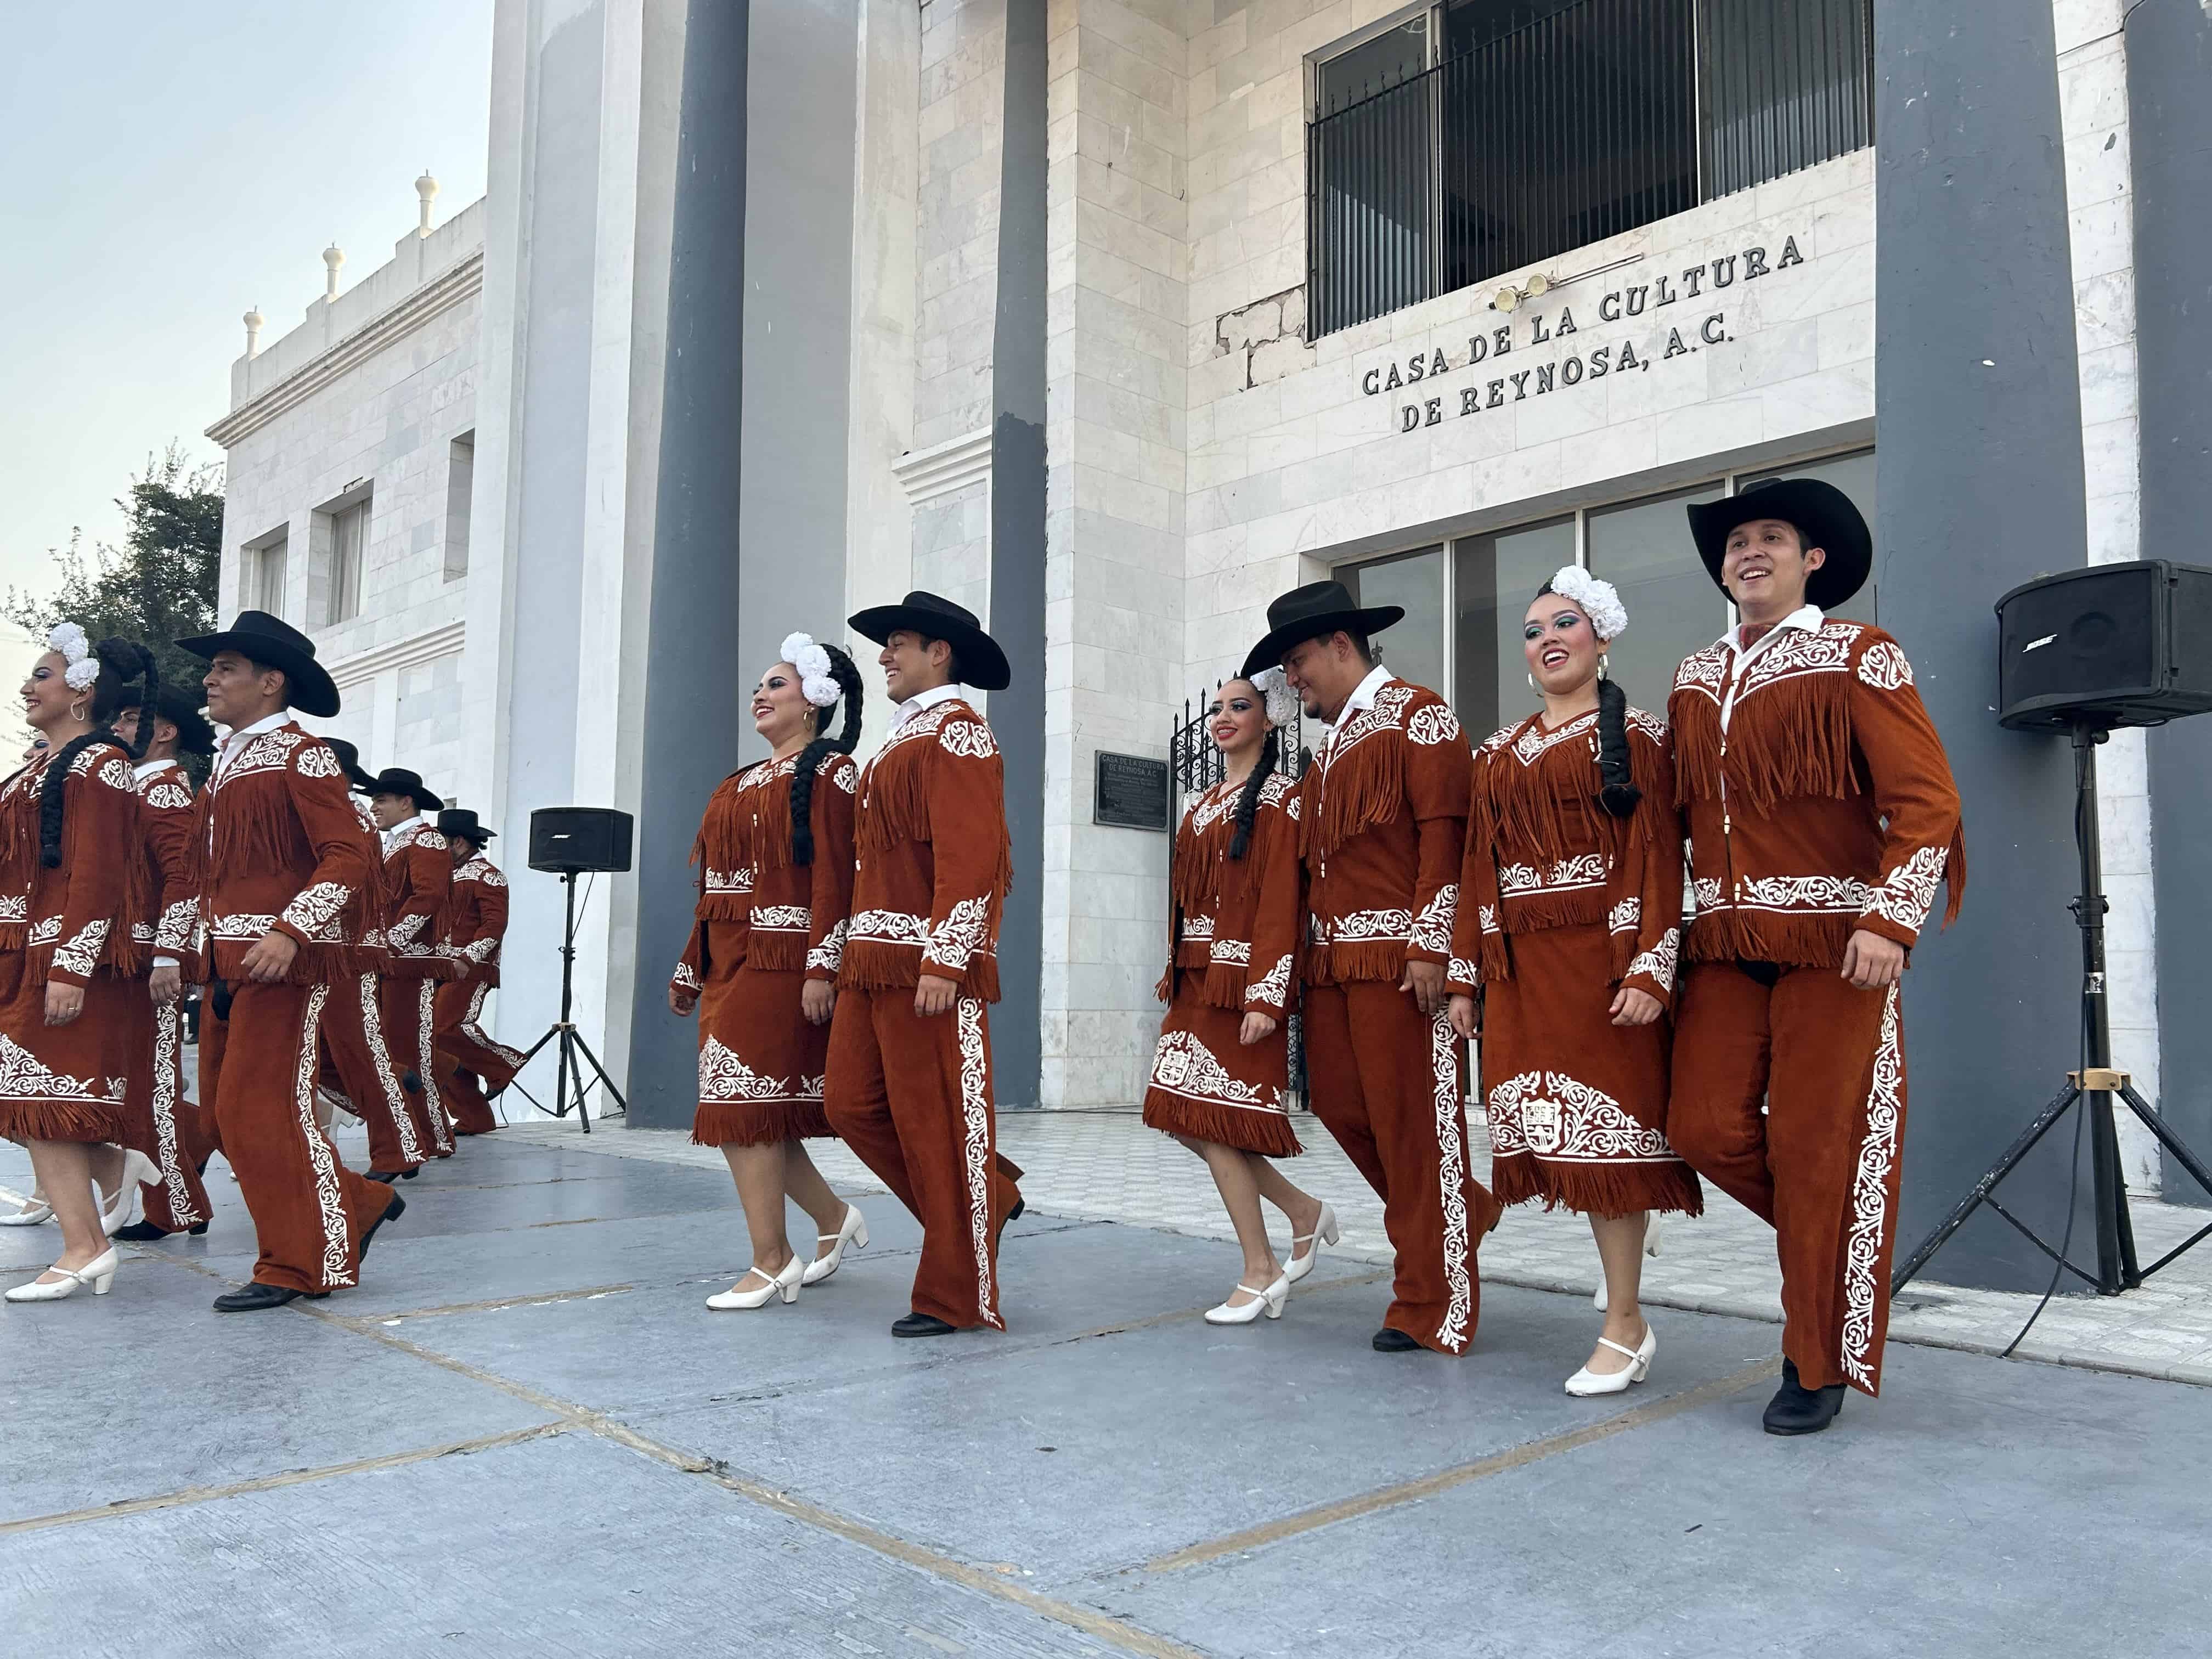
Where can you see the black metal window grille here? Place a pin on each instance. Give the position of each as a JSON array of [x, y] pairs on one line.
[[1591, 120]]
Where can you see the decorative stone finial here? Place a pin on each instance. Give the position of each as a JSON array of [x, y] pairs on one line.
[[426, 190], [253, 322], [333, 257]]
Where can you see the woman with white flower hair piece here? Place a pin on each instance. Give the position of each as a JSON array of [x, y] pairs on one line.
[[775, 855], [1569, 920], [69, 952], [1221, 1069]]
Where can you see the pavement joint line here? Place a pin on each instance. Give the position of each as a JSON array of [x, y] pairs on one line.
[[538, 1299], [1429, 1486]]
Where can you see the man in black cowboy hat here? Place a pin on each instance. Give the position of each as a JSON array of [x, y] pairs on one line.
[[418, 895], [468, 1056], [909, 1070], [1821, 818], [289, 872], [1384, 809]]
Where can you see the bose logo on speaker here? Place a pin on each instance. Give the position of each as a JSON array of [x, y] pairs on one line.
[[2038, 645]]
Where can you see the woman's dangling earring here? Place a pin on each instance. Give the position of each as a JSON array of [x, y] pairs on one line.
[[1600, 667], [77, 712], [1531, 678]]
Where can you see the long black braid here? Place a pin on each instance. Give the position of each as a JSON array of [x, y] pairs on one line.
[[1615, 792], [847, 675], [1248, 799], [121, 661]]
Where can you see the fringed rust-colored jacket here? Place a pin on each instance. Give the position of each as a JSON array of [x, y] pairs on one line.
[[1384, 809], [1237, 921], [170, 923], [80, 917], [1818, 798], [1541, 853], [418, 901], [935, 857], [755, 905], [286, 852], [479, 919]]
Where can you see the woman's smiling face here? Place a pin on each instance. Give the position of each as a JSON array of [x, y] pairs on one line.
[[1560, 644]]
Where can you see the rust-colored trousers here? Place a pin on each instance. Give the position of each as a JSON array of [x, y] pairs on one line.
[[400, 1137], [164, 1125], [257, 1070], [1384, 1079], [410, 1032], [468, 1057], [912, 1097], [1821, 1163]]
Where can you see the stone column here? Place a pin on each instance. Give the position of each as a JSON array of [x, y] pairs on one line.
[[1978, 417]]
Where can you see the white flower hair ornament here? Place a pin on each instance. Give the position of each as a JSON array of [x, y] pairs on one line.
[[1600, 600], [1275, 691], [816, 683], [76, 650]]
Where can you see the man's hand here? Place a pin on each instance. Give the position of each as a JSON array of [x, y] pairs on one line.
[[166, 984], [65, 1001], [1634, 1007], [1871, 962], [1425, 980], [682, 1000], [1257, 1027], [817, 998], [1466, 1020], [934, 994], [271, 958]]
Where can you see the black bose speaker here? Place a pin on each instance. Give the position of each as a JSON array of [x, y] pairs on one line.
[[2112, 644], [570, 840]]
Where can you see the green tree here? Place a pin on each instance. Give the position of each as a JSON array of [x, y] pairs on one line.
[[160, 586]]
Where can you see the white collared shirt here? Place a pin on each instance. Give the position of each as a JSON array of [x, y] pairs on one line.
[[400, 831], [924, 700], [147, 769], [1361, 700], [234, 744], [1807, 618]]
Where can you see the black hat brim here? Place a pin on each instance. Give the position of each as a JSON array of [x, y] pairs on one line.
[[983, 663], [1825, 517], [310, 688], [1367, 622]]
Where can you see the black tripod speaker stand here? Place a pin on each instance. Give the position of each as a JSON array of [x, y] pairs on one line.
[[2093, 1088], [568, 841], [575, 1052]]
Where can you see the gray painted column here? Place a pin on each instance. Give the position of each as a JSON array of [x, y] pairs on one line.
[[1017, 511], [694, 694], [2169, 45], [1978, 417]]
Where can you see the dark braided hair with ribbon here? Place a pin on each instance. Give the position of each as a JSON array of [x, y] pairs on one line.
[[121, 661], [1248, 799], [1616, 792], [847, 675]]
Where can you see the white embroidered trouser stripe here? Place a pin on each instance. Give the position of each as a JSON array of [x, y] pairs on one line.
[[475, 1033], [167, 1021], [329, 1204], [1443, 1058], [426, 1002], [1863, 1275], [975, 1119], [395, 1098]]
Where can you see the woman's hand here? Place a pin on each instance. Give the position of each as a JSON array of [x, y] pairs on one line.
[[1634, 1007], [816, 999], [682, 1000], [1257, 1027], [1464, 1020], [65, 1001]]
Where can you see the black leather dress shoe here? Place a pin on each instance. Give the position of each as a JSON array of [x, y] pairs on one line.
[[1796, 1409], [392, 1212], [921, 1324], [1014, 1214], [387, 1177], [1391, 1340], [409, 1175], [145, 1232], [252, 1298]]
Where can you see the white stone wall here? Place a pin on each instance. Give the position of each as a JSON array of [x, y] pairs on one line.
[[963, 64]]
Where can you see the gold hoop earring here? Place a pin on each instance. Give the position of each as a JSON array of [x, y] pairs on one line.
[[76, 711], [1531, 678]]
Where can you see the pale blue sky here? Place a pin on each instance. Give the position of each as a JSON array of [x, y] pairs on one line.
[[164, 166]]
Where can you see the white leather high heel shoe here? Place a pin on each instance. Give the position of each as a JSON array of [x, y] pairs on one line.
[[34, 1210], [784, 1285], [98, 1273], [1588, 1381], [853, 1230], [1268, 1301], [137, 1168], [1326, 1231]]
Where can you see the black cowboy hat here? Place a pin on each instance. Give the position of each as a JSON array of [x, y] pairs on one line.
[[458, 823], [1825, 517], [362, 780], [275, 643], [398, 781], [982, 665], [180, 708], [1311, 612]]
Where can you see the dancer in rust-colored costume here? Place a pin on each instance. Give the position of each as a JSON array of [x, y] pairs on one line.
[[70, 958], [418, 891], [1822, 817], [1221, 1069], [1385, 807], [468, 1057], [910, 1082], [286, 903], [1570, 922], [775, 855]]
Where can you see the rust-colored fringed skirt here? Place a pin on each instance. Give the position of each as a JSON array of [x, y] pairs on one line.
[[1577, 1105], [760, 1063], [1209, 1086], [64, 1082]]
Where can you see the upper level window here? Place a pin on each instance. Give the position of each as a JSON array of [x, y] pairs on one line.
[[1476, 138], [263, 572], [348, 544], [460, 481]]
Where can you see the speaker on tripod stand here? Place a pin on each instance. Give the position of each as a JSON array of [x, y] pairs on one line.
[[2086, 652], [570, 842]]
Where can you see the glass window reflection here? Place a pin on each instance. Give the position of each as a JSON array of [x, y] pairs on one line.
[[1414, 648], [1644, 548], [1493, 579]]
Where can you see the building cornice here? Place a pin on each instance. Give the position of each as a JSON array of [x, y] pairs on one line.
[[943, 468], [431, 300], [410, 653]]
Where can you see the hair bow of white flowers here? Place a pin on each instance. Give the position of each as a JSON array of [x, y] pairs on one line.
[[76, 650], [1275, 691], [1600, 600], [813, 662]]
